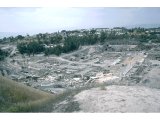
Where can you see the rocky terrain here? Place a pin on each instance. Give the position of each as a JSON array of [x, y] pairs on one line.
[[119, 99], [114, 78]]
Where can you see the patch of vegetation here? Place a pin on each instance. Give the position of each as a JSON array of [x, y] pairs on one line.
[[67, 41], [3, 54], [30, 48], [55, 50], [16, 97]]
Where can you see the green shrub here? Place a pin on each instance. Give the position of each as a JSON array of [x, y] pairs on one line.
[[3, 54]]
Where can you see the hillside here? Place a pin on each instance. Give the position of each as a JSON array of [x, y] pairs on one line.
[[16, 97], [73, 65]]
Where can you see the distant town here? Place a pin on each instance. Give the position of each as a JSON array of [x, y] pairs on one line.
[[66, 41], [97, 31]]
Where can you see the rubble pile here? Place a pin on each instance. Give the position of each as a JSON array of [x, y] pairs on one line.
[[117, 65]]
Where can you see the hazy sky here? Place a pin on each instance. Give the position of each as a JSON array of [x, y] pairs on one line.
[[53, 19]]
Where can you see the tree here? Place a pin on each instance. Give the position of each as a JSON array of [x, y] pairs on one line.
[[20, 37], [34, 47], [3, 54], [93, 31], [22, 48], [30, 48], [56, 39], [102, 37], [71, 43]]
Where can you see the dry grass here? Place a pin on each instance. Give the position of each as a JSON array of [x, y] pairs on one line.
[[16, 97]]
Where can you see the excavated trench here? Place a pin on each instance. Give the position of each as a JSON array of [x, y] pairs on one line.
[[123, 80]]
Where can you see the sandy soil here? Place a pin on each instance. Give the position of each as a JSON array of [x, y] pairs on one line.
[[119, 99]]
